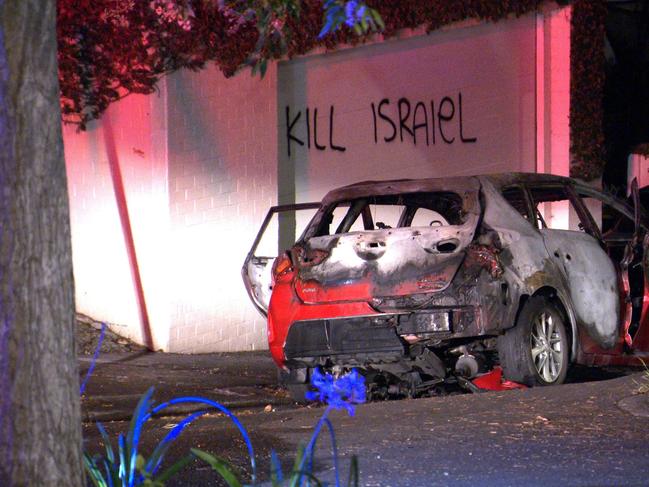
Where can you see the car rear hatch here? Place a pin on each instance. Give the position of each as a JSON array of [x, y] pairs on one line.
[[384, 239]]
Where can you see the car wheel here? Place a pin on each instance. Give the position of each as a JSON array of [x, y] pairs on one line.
[[536, 350], [297, 390]]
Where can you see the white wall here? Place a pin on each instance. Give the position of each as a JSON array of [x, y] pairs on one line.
[[222, 180], [204, 159], [490, 66], [103, 275]]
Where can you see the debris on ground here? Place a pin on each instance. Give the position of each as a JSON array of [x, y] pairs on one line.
[[88, 332]]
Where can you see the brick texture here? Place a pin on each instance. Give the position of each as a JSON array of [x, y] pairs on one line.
[[205, 158], [103, 278], [222, 180], [490, 65]]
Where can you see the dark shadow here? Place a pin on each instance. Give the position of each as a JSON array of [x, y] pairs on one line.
[[580, 373], [129, 358]]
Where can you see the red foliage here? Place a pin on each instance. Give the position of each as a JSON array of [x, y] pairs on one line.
[[398, 15], [110, 48], [587, 89]]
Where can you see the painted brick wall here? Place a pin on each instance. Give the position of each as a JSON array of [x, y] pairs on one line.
[[205, 158], [553, 107], [490, 66], [103, 278], [199, 167], [553, 88], [222, 179]]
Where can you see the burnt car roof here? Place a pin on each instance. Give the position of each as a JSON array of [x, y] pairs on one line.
[[454, 183], [505, 179], [397, 186]]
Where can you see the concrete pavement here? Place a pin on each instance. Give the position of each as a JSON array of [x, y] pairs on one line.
[[236, 380], [591, 433]]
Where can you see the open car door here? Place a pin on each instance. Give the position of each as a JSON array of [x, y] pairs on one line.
[[279, 230], [637, 332], [622, 233]]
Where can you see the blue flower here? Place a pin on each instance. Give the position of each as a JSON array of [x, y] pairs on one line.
[[350, 12], [341, 393]]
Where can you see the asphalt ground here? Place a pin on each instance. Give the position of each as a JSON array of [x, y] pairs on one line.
[[591, 432], [236, 380]]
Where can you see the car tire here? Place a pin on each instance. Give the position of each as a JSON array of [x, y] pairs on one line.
[[296, 390], [535, 352]]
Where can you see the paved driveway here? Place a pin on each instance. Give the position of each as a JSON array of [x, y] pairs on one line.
[[575, 434]]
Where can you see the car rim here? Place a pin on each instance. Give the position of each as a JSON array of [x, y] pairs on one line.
[[546, 347]]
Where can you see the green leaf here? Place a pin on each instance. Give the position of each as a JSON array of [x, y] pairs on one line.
[[353, 472], [139, 463], [93, 471], [335, 10], [122, 456], [140, 410], [327, 27], [174, 469], [358, 30], [377, 18], [220, 466], [364, 25], [110, 455], [296, 467], [303, 474], [275, 469]]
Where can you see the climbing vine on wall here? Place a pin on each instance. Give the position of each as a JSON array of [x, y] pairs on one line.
[[587, 89], [110, 48]]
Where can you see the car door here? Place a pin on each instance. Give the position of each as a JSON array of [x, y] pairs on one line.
[[625, 238], [572, 240], [637, 337], [640, 335], [277, 233]]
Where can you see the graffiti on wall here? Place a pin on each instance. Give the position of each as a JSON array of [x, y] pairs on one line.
[[393, 121]]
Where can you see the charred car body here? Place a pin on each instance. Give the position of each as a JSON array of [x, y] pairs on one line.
[[416, 281]]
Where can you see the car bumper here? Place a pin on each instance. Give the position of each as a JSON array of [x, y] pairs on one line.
[[382, 337]]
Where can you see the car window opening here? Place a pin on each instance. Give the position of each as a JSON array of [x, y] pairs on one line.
[[555, 210], [515, 196], [384, 212]]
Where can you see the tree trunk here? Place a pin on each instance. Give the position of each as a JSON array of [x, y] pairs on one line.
[[40, 428]]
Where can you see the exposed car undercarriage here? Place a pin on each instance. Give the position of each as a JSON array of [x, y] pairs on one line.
[[420, 370]]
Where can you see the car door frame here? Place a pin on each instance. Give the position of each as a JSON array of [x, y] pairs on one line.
[[251, 258], [638, 243], [573, 286]]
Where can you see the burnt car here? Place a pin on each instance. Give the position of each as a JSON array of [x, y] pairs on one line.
[[417, 282]]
